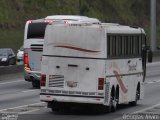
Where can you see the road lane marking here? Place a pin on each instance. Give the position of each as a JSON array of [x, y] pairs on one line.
[[138, 111], [13, 108], [145, 109], [151, 82], [29, 111], [29, 91], [3, 83]]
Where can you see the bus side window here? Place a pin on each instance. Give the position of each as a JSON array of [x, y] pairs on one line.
[[109, 46]]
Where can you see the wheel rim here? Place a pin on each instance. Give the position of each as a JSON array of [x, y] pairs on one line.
[[113, 104], [137, 95]]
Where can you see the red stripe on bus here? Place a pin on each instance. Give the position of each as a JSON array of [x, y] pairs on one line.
[[122, 86], [76, 48]]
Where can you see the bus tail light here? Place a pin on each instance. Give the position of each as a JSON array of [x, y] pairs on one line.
[[26, 61], [43, 80], [48, 21], [101, 83], [29, 21]]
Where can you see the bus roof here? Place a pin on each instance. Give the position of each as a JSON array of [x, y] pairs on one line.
[[112, 28], [66, 17], [123, 29], [74, 19]]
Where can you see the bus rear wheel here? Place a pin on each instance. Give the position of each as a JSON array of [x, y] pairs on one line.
[[113, 103], [134, 103], [35, 84]]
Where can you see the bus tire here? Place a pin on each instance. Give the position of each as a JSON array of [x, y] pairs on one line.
[[54, 109], [134, 103], [113, 102], [35, 84]]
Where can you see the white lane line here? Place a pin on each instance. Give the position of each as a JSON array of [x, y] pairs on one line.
[[145, 109], [2, 110], [29, 91], [155, 81], [139, 111], [3, 83], [29, 111]]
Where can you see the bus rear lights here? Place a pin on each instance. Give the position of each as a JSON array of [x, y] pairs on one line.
[[26, 62], [43, 80], [101, 83], [27, 68], [48, 21], [29, 21]]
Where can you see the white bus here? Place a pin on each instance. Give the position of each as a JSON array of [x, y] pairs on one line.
[[33, 42], [101, 65]]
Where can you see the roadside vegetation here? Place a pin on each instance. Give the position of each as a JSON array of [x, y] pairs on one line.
[[14, 14]]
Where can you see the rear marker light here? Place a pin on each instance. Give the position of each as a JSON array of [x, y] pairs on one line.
[[48, 21], [29, 21], [43, 80], [100, 83]]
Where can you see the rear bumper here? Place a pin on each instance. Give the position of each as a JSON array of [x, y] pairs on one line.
[[71, 98], [32, 75]]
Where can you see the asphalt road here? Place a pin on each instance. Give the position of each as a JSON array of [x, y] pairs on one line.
[[16, 95]]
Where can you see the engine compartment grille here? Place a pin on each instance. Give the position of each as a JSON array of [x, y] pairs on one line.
[[56, 81]]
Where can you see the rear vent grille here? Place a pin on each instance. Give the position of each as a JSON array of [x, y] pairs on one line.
[[56, 81], [37, 47]]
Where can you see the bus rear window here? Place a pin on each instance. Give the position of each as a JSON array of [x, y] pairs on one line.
[[36, 30]]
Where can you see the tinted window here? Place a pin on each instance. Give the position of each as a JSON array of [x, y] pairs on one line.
[[36, 30], [3, 52], [125, 45]]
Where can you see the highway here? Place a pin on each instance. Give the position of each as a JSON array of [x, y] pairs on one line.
[[16, 95]]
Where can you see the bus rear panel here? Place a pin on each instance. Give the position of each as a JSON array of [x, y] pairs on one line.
[[74, 65]]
